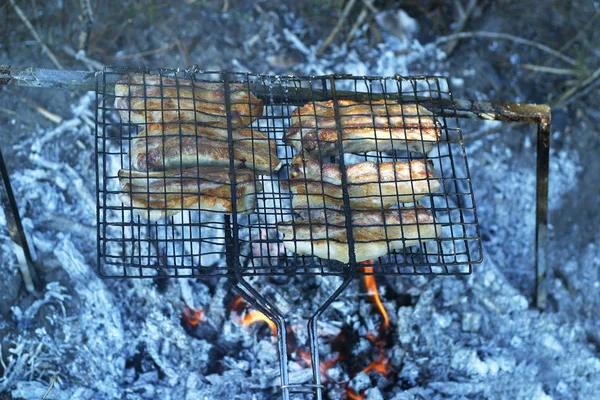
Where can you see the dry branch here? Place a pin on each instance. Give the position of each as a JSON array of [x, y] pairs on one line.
[[462, 22], [37, 37], [506, 36], [584, 87], [337, 27], [361, 18], [147, 52]]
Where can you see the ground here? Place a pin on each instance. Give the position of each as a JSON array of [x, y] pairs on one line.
[[284, 38]]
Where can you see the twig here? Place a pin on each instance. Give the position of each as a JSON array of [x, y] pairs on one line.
[[505, 36], [480, 134], [370, 6], [57, 119], [91, 64], [292, 38], [462, 22], [225, 6], [361, 18], [37, 37], [375, 30], [551, 70], [337, 27], [183, 50], [148, 52], [51, 386], [584, 86], [88, 17], [579, 33]]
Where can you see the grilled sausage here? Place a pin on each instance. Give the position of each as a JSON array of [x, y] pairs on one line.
[[370, 185], [380, 126], [146, 99], [375, 233]]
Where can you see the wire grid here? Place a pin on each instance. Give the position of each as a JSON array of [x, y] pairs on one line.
[[197, 243]]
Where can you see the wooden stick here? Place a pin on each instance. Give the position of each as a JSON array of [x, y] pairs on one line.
[[505, 36], [91, 64], [462, 22], [551, 70], [584, 87], [337, 27], [51, 386], [148, 52], [37, 37], [361, 18]]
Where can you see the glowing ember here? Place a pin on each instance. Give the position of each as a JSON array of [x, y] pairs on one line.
[[191, 316], [379, 366], [237, 305], [305, 355], [353, 396], [256, 316], [330, 363], [372, 289]]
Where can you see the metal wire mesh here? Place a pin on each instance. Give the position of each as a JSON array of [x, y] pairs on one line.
[[244, 119]]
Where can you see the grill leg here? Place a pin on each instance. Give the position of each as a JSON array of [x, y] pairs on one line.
[[258, 301], [541, 214], [314, 337], [15, 229]]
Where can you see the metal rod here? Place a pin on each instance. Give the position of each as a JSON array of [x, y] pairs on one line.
[[16, 231], [313, 335], [258, 301], [541, 212]]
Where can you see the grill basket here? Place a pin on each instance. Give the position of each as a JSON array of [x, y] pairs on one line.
[[193, 243]]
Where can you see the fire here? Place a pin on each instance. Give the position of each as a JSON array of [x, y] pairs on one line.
[[354, 396], [379, 366], [372, 289], [304, 355], [253, 316], [256, 316], [191, 316]]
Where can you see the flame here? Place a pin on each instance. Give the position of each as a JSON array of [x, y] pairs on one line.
[[191, 316], [354, 396], [379, 366], [237, 304], [256, 316], [330, 363], [372, 289], [305, 355]]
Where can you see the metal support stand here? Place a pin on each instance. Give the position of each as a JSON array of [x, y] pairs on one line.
[[540, 115], [258, 301], [16, 231], [508, 112]]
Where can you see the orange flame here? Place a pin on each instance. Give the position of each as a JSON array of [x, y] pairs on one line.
[[354, 396], [191, 316], [379, 366], [305, 355], [330, 363], [372, 289], [256, 316], [237, 304]]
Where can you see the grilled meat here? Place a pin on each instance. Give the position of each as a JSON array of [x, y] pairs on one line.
[[146, 99], [323, 234], [172, 146], [370, 185], [158, 195], [383, 125]]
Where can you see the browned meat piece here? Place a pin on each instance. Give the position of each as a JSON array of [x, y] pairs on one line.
[[379, 126], [370, 185], [146, 99], [158, 195], [173, 146], [375, 233]]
